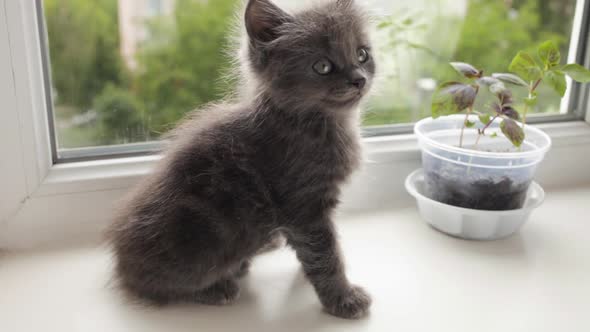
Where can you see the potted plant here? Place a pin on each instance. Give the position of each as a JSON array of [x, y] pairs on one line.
[[486, 158]]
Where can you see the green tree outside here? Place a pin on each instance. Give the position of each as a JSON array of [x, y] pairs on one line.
[[180, 66], [84, 49], [490, 34]]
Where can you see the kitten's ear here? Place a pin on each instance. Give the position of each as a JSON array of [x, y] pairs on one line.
[[262, 20]]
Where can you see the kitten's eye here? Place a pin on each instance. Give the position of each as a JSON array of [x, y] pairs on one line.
[[323, 67], [363, 55]]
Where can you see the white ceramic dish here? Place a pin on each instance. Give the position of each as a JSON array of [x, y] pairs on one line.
[[468, 223]]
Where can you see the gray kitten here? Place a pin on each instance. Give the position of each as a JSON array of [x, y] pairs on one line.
[[236, 177]]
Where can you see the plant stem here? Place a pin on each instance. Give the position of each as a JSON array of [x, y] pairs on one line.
[[477, 140], [537, 84], [469, 110], [526, 109], [483, 131], [489, 123], [532, 89]]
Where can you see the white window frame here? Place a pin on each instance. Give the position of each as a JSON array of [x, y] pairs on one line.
[[42, 202]]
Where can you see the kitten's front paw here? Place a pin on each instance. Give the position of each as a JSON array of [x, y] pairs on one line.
[[222, 293], [244, 269], [352, 303]]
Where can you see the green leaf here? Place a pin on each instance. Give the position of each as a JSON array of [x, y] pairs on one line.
[[510, 78], [549, 54], [451, 98], [494, 135], [485, 118], [525, 66], [408, 21], [421, 48], [469, 124], [512, 131], [467, 70], [531, 102], [577, 73], [384, 25], [557, 81]]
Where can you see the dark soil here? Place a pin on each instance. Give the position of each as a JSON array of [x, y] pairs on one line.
[[479, 195]]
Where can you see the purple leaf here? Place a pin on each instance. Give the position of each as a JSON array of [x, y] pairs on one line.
[[505, 97], [512, 131], [510, 78], [497, 88], [497, 108], [452, 97], [467, 70], [488, 81], [511, 113]]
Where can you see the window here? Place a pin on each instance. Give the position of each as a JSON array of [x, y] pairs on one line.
[[41, 191], [420, 37], [156, 7], [124, 72]]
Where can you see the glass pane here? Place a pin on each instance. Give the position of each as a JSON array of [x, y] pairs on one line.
[[125, 71], [425, 35]]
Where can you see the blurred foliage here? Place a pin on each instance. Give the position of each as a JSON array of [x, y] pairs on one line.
[[84, 49], [489, 35], [120, 116], [494, 31], [180, 65]]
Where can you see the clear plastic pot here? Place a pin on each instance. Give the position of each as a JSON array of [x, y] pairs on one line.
[[492, 175]]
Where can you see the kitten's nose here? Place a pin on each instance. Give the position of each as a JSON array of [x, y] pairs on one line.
[[357, 78], [358, 83]]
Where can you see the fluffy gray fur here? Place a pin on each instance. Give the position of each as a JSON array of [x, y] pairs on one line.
[[236, 177]]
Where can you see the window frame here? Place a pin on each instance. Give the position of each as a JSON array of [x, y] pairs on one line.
[[43, 202], [570, 110]]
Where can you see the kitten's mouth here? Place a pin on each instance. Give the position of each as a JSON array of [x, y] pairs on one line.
[[346, 100]]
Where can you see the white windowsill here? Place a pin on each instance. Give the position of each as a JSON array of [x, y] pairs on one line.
[[74, 201], [420, 280], [113, 174]]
